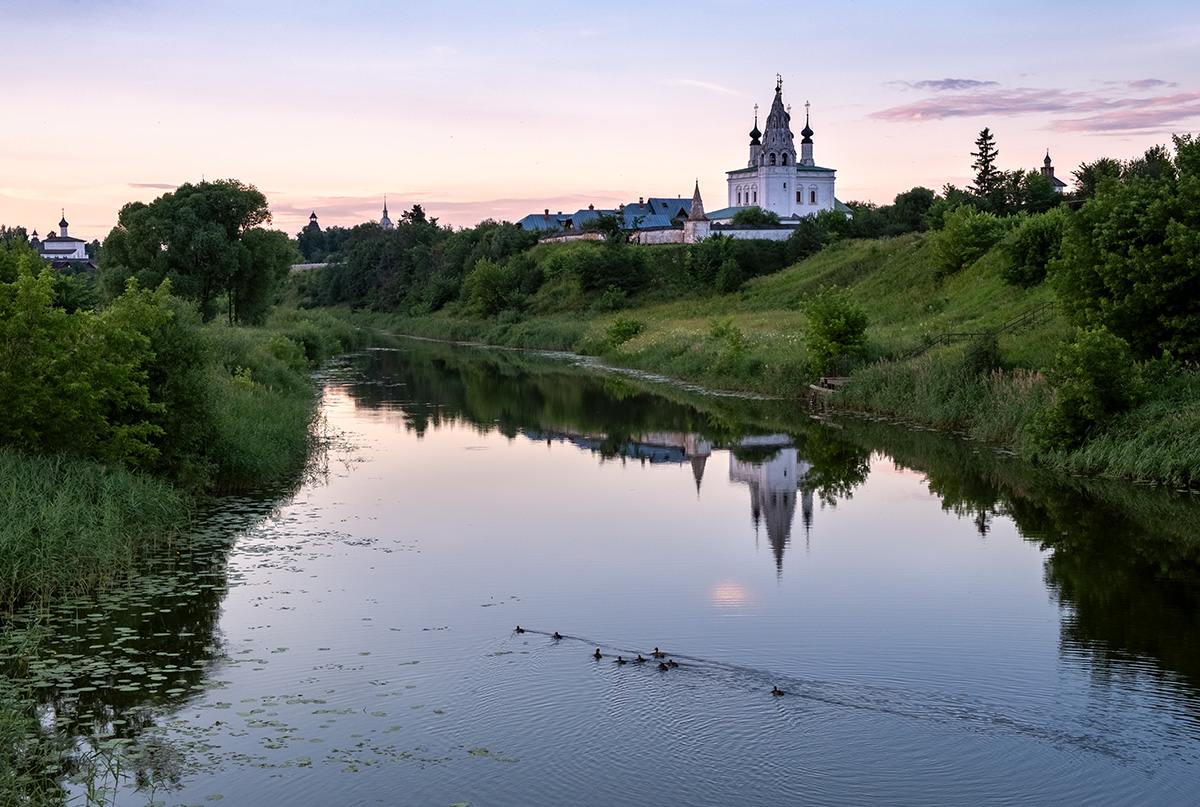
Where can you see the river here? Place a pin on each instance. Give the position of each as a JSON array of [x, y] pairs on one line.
[[947, 625]]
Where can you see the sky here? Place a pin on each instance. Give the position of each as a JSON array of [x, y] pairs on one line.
[[479, 110]]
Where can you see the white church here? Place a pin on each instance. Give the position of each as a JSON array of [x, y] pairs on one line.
[[776, 178]]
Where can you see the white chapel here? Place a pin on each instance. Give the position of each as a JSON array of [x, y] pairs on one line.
[[775, 177]]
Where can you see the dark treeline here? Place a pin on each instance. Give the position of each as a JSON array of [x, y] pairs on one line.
[[420, 267]]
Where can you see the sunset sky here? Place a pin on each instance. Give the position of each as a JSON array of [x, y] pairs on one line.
[[476, 110]]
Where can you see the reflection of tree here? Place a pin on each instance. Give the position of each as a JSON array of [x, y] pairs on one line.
[[837, 464], [1125, 560], [511, 392]]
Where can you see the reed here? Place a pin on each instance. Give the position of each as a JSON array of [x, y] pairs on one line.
[[73, 526]]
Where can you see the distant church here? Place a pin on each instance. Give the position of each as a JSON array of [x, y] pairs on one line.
[[60, 248], [775, 177]]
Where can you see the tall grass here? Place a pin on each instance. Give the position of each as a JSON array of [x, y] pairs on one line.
[[72, 526]]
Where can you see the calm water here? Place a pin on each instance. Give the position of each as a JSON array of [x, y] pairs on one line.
[[948, 627]]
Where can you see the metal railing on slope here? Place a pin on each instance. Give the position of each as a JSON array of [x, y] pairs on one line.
[[1039, 312]]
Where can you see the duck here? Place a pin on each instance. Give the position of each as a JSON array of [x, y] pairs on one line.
[[597, 654], [621, 660], [658, 653], [557, 635], [663, 667], [520, 629], [776, 691], [672, 662], [639, 659]]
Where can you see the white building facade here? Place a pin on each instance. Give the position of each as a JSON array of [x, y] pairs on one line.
[[60, 247], [776, 177]]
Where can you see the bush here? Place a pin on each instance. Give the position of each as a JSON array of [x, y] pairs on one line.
[[491, 287], [837, 331], [622, 329], [982, 355], [755, 217], [1094, 379], [966, 235], [729, 276], [1031, 245]]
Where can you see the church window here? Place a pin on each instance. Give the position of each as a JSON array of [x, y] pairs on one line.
[[756, 196], [772, 158], [798, 199], [785, 159], [812, 197]]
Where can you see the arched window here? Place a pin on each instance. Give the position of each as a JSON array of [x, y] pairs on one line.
[[756, 196], [785, 159], [812, 197], [798, 199], [739, 198], [772, 158]]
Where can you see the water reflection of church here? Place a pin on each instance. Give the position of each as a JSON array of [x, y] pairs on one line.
[[768, 464]]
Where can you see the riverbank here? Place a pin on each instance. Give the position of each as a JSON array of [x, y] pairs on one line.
[[76, 524], [754, 341]]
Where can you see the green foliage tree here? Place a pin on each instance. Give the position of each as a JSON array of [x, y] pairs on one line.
[[907, 212], [729, 276], [866, 220], [10, 235], [1130, 258], [1030, 246], [755, 217], [966, 234], [311, 243], [809, 238], [195, 237], [1094, 379], [950, 199], [491, 288], [837, 331], [1089, 176], [264, 261], [76, 382], [988, 178]]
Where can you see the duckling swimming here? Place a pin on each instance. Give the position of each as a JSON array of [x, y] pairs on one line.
[[597, 654], [520, 629], [776, 691], [639, 659], [621, 660], [663, 667], [658, 653], [672, 662], [557, 635]]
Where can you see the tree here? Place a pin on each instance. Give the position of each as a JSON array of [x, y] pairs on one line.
[[964, 238], [264, 261], [1094, 379], [1131, 258], [837, 331], [194, 237], [755, 217], [907, 213], [988, 179], [10, 235], [1031, 245], [1088, 176]]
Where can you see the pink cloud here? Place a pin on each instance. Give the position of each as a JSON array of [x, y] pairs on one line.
[[1095, 111]]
